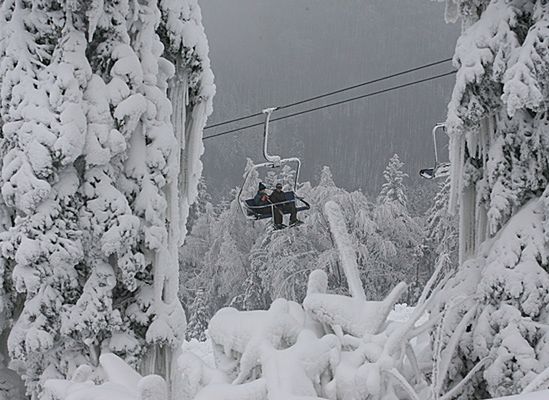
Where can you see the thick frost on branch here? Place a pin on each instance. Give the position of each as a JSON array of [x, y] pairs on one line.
[[122, 382], [102, 107], [291, 352], [347, 253]]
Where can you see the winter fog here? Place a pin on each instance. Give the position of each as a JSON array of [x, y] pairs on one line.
[[274, 200], [269, 53]]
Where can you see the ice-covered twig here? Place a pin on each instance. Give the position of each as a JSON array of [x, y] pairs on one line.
[[418, 330], [413, 360], [456, 389], [397, 376], [402, 332], [355, 316], [437, 349], [430, 288], [538, 381], [445, 360]]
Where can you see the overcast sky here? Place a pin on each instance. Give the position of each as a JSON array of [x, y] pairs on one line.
[[273, 52]]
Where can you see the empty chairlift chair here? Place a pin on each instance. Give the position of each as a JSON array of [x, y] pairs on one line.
[[439, 169]]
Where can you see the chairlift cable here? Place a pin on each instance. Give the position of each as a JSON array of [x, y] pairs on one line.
[[404, 85], [380, 79]]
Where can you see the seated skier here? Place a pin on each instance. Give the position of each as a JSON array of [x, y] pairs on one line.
[[277, 196], [262, 198]]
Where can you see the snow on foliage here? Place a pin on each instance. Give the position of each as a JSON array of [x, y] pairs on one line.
[[330, 347], [198, 318], [344, 245], [293, 369], [528, 396], [393, 188], [243, 264], [494, 316], [501, 295], [102, 110], [121, 382], [441, 227]]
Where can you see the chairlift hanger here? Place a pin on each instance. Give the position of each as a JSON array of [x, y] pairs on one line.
[[439, 169], [247, 206]]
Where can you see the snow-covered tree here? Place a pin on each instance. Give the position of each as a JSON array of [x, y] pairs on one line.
[[222, 246], [192, 254], [496, 304], [201, 204], [93, 203], [44, 72], [393, 188], [245, 265], [330, 346], [198, 317], [441, 230], [286, 176], [254, 297], [394, 238]]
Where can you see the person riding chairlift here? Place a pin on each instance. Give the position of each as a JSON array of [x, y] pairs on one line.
[[261, 198], [278, 196]]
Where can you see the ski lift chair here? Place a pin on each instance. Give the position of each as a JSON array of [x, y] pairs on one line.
[[439, 169], [266, 211], [248, 207]]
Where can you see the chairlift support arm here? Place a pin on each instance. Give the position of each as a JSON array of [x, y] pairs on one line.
[[438, 126], [275, 160]]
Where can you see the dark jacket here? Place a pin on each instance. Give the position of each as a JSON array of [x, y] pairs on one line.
[[277, 197], [261, 198]]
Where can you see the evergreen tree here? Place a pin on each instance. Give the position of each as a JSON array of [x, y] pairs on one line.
[[92, 197], [198, 317], [192, 254], [395, 240], [441, 229], [199, 207], [245, 265], [254, 297], [497, 121], [222, 269], [44, 71], [393, 189]]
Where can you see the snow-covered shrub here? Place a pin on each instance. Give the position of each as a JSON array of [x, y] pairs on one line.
[[291, 351], [330, 347], [119, 381]]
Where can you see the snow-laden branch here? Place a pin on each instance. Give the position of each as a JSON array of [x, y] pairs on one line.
[[538, 381], [457, 389], [347, 253]]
